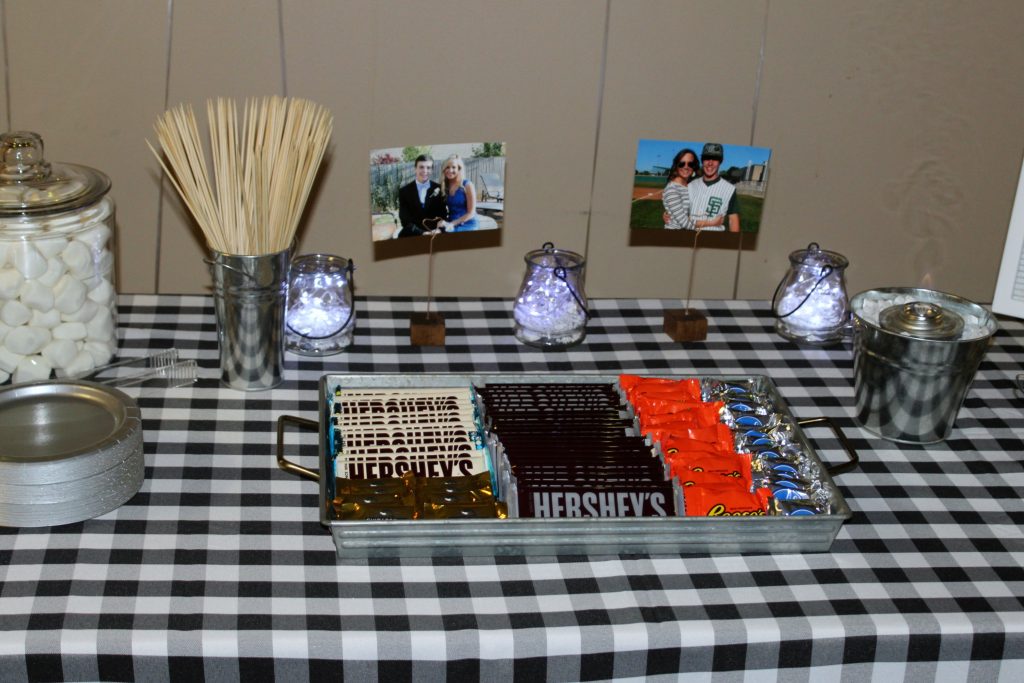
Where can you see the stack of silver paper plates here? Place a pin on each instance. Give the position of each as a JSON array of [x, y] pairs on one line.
[[69, 451]]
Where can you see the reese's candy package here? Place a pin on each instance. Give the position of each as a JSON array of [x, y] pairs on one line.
[[723, 501], [693, 469], [634, 385], [687, 477], [670, 445], [706, 415]]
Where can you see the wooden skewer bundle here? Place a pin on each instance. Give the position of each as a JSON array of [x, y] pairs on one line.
[[263, 170]]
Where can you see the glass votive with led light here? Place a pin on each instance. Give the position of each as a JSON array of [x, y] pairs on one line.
[[810, 303], [320, 316], [550, 310]]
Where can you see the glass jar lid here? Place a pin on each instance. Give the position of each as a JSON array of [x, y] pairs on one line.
[[32, 186]]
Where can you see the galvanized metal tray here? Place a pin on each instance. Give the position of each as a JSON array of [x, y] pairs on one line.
[[550, 537]]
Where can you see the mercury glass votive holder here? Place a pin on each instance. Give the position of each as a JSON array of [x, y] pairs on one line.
[[810, 304], [550, 309], [320, 317]]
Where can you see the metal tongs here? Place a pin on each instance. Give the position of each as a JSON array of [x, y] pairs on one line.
[[162, 369]]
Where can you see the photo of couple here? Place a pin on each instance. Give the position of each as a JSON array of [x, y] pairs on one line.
[[412, 195], [698, 191]]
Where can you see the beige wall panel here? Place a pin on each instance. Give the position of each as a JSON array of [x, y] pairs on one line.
[[223, 48], [897, 137], [87, 76], [675, 71], [401, 73], [4, 122]]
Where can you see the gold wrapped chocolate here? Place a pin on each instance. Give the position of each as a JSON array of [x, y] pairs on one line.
[[475, 482], [491, 510], [412, 497], [428, 497], [348, 487], [375, 511]]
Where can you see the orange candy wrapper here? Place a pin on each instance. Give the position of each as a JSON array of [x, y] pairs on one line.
[[706, 415], [677, 443], [634, 385], [724, 501]]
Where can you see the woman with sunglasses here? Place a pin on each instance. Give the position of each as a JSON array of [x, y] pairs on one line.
[[460, 195], [676, 197]]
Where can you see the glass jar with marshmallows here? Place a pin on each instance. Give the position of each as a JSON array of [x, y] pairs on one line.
[[57, 296]]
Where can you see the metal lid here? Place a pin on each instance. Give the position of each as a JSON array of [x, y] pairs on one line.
[[921, 319], [32, 186]]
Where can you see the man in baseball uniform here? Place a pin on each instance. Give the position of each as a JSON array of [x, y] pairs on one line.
[[712, 196]]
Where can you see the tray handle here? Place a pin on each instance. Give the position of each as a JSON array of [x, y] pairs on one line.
[[283, 462], [854, 459]]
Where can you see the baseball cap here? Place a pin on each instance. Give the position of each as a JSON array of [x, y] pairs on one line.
[[712, 150]]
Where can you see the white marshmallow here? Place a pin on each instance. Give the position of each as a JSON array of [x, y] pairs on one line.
[[36, 296], [10, 283], [103, 292], [105, 263], [50, 319], [32, 369], [4, 376], [4, 329], [101, 351], [54, 269], [78, 259], [83, 314], [60, 352], [81, 364], [9, 360], [26, 340], [68, 294], [51, 246], [101, 327], [15, 313], [27, 259], [96, 237], [72, 330]]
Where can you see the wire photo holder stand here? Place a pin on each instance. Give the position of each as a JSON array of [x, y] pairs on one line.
[[427, 329], [687, 324]]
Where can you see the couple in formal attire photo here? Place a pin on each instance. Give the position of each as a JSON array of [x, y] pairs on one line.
[[426, 207]]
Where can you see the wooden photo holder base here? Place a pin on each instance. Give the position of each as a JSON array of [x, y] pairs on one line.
[[426, 329], [686, 324]]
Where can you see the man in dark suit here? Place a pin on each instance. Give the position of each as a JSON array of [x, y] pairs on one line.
[[422, 209]]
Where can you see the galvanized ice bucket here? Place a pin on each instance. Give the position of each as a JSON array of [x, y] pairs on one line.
[[914, 361]]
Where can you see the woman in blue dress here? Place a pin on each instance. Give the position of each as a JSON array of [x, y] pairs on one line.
[[460, 195]]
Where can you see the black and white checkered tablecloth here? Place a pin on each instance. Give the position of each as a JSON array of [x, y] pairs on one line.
[[220, 568]]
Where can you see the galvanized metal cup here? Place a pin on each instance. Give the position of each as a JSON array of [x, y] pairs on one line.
[[912, 369], [249, 295]]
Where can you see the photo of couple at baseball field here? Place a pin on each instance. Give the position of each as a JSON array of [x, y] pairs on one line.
[[687, 185], [412, 194]]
